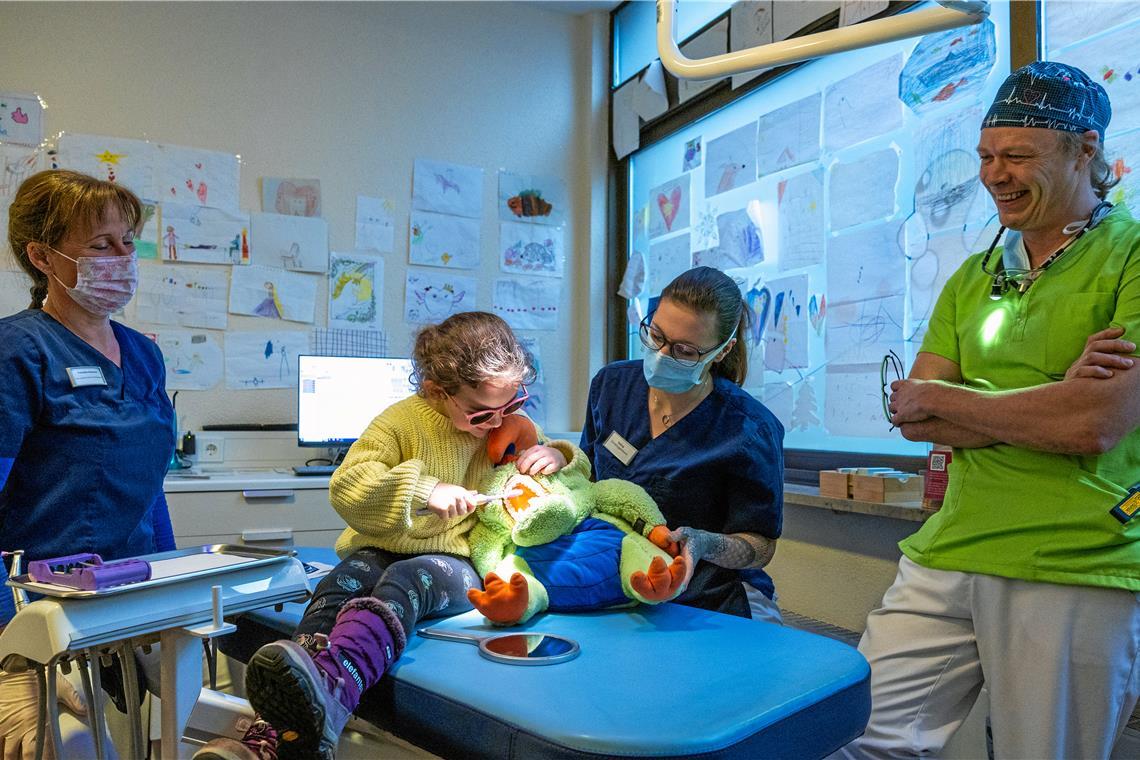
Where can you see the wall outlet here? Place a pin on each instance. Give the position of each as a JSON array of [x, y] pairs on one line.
[[211, 448]]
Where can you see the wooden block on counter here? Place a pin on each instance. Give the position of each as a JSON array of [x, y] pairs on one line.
[[889, 490], [835, 484]]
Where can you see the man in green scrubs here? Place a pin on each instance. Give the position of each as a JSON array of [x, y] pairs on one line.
[[1024, 581]]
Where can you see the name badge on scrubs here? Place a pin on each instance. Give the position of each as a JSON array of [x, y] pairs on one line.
[[620, 448], [81, 376], [1127, 507]]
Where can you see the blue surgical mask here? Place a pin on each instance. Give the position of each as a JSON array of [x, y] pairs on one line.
[[665, 373]]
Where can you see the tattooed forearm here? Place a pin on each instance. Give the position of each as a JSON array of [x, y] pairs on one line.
[[735, 551]]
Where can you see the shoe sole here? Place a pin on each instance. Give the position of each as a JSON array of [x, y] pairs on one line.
[[281, 684]]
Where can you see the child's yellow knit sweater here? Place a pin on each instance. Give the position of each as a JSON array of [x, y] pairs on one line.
[[391, 471]]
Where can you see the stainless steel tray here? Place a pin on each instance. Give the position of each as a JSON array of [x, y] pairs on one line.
[[253, 554]]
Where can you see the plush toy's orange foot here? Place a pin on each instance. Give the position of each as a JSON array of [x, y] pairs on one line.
[[661, 582], [501, 602]]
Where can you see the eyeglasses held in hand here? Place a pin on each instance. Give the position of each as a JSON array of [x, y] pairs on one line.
[[686, 354], [890, 369]]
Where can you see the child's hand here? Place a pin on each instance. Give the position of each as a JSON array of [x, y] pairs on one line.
[[448, 500], [540, 460]]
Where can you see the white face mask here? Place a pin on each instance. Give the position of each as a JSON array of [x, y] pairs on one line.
[[104, 284]]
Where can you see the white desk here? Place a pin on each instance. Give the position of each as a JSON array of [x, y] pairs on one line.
[[267, 507]]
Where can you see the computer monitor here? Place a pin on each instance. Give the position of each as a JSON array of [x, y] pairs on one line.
[[337, 396]]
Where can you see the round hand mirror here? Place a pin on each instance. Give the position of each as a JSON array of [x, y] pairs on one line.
[[524, 648]]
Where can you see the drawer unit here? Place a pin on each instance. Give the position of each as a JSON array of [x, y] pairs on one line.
[[260, 513]]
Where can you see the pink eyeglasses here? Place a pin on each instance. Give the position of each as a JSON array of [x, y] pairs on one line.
[[486, 415]]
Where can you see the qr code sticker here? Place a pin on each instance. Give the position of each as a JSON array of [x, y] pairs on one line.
[[938, 462]]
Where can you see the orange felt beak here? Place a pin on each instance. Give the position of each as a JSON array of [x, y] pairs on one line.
[[518, 504]]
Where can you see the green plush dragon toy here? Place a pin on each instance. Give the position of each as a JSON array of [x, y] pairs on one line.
[[564, 543]]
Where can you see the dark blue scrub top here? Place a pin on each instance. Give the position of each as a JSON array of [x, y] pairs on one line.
[[720, 468], [81, 468]]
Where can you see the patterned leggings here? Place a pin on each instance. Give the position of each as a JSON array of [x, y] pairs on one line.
[[414, 587]]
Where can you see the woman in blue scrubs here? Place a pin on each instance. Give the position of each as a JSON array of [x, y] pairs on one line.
[[86, 428], [679, 424]]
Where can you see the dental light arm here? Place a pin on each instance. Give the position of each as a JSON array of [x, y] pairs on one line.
[[950, 15]]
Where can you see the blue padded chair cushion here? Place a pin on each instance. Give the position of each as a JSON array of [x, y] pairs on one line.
[[663, 681]]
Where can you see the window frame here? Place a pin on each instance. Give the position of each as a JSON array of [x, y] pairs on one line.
[[801, 465]]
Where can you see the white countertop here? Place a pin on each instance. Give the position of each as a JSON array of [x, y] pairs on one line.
[[240, 479]]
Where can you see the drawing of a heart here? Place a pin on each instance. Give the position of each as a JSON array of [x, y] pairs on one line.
[[669, 206], [197, 166]]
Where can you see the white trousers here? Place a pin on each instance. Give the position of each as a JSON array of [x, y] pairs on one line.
[[762, 607], [1060, 664]]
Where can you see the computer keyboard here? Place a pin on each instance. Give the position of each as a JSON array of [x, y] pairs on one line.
[[314, 469]]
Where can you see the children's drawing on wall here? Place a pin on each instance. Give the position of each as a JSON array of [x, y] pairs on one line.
[[256, 360], [531, 198], [1123, 155], [863, 105], [861, 332], [692, 158], [633, 281], [147, 241], [262, 291], [947, 186], [741, 243], [948, 67], [530, 304], [355, 285], [789, 135], [431, 296], [17, 163], [292, 197], [296, 243], [866, 263], [750, 25], [800, 213], [864, 190], [786, 339], [776, 396], [193, 360], [706, 233], [669, 209], [125, 162], [853, 404], [941, 256], [710, 42], [805, 412], [15, 293], [1112, 62], [375, 226], [731, 160], [1070, 21], [332, 342], [21, 119], [535, 406], [758, 301], [196, 176], [203, 235], [530, 249], [447, 188], [667, 259], [188, 296], [441, 240], [817, 312]]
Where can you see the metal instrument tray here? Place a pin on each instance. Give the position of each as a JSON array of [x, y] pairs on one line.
[[226, 557]]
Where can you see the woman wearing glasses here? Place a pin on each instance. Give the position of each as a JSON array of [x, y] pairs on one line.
[[407, 489], [678, 424]]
